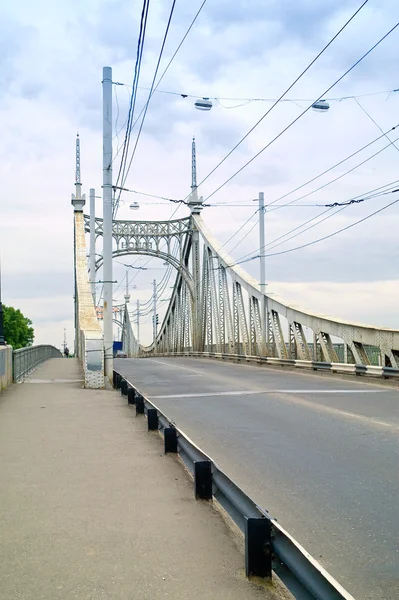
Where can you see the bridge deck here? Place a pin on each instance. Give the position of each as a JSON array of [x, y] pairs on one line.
[[320, 453], [91, 509]]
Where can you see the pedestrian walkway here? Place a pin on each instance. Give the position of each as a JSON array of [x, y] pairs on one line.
[[91, 509]]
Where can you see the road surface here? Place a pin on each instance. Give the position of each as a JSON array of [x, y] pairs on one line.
[[321, 454]]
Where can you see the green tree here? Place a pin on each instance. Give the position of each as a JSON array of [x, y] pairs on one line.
[[18, 332]]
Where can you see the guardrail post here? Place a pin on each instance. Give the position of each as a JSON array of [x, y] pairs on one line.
[[170, 440], [114, 376], [258, 549], [139, 405], [117, 381], [203, 479], [131, 395], [152, 417], [123, 387]]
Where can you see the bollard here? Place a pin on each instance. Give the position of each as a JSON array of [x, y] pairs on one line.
[[152, 416], [117, 381], [170, 440], [203, 479], [123, 387], [114, 375], [131, 395], [139, 405], [258, 548]]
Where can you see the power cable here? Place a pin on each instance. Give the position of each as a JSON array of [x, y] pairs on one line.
[[284, 93], [292, 122], [249, 100], [137, 68], [335, 232], [375, 123], [151, 92], [360, 198]]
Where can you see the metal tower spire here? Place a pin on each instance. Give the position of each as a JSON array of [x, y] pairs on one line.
[[78, 200], [194, 202], [193, 167], [77, 178]]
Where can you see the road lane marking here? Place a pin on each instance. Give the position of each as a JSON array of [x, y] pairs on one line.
[[285, 397], [165, 364], [250, 392]]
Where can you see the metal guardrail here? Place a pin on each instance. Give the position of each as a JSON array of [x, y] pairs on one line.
[[313, 365], [25, 360], [268, 547]]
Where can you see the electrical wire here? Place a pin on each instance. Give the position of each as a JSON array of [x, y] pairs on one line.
[[375, 123], [335, 232], [250, 100], [284, 93], [321, 187], [270, 245], [151, 92], [292, 122], [132, 104]]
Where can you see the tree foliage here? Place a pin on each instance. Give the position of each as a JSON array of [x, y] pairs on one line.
[[18, 332]]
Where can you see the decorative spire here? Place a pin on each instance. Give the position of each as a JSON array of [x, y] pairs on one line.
[[78, 201], [77, 176], [194, 202], [193, 167]]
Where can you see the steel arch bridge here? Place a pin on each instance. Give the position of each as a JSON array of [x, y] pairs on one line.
[[217, 307]]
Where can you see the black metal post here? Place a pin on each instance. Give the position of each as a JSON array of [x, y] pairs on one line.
[[203, 479], [152, 416], [170, 440], [131, 395], [139, 405], [258, 548]]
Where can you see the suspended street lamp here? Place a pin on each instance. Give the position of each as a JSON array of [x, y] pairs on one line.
[[203, 104], [321, 106]]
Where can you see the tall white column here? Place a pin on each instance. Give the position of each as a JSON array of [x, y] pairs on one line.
[[262, 274], [107, 221], [93, 243], [155, 328]]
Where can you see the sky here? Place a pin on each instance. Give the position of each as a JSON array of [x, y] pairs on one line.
[[53, 55]]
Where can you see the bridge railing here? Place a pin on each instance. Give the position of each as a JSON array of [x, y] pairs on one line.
[[89, 343], [27, 359], [5, 366]]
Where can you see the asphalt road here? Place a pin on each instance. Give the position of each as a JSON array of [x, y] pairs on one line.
[[321, 454]]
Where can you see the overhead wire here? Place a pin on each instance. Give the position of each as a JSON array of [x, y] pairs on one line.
[[292, 122], [375, 123], [335, 232], [369, 195], [282, 96], [132, 104], [150, 94], [250, 100]]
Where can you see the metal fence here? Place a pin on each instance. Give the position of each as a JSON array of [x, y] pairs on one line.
[[27, 359], [268, 547]]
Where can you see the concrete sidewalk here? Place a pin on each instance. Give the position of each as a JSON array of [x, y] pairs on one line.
[[91, 509]]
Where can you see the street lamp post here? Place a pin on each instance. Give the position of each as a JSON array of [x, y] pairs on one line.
[[262, 274], [107, 221]]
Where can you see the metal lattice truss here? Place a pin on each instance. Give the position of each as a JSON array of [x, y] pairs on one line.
[[217, 307]]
